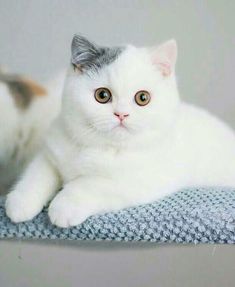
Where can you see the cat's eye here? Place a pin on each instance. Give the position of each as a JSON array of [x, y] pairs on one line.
[[103, 95], [142, 98]]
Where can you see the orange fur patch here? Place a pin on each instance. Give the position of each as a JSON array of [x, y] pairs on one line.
[[35, 88]]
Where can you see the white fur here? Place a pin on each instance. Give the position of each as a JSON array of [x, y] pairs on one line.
[[103, 167]]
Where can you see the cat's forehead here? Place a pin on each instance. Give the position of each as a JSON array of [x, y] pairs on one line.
[[130, 70]]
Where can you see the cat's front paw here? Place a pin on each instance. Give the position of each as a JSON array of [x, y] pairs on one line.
[[64, 212], [21, 208]]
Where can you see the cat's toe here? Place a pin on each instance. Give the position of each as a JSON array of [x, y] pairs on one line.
[[64, 213], [20, 208]]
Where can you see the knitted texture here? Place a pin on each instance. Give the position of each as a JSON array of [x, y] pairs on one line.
[[200, 215]]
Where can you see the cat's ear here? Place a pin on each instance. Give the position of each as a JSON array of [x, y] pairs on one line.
[[83, 52], [164, 57]]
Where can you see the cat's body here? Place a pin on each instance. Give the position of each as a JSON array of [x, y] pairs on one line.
[[134, 148], [27, 110], [174, 159]]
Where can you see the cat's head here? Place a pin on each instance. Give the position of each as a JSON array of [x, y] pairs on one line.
[[121, 92]]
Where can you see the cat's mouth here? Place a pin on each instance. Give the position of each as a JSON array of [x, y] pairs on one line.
[[121, 126]]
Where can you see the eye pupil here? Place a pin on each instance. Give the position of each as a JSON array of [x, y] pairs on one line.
[[103, 95], [143, 97]]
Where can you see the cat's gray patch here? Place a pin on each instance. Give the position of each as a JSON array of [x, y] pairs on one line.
[[20, 91], [88, 56]]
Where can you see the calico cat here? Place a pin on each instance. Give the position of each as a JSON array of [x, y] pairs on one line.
[[22, 127], [123, 138]]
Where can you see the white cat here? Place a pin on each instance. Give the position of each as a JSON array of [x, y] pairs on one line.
[[26, 112], [123, 138]]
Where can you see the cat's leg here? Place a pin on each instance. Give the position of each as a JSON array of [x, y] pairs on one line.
[[82, 198], [36, 187]]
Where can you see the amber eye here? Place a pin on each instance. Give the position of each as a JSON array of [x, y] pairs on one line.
[[142, 98], [103, 95]]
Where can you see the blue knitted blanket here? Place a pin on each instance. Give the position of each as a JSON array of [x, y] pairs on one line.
[[200, 215]]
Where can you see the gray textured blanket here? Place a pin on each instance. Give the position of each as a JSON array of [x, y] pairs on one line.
[[197, 215]]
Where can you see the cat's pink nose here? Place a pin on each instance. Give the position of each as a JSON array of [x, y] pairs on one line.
[[121, 116]]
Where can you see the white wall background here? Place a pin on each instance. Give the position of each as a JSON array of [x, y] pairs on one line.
[[35, 39]]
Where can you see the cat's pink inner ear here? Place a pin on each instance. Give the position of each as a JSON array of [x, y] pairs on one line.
[[165, 57]]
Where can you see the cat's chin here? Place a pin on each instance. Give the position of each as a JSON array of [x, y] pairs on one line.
[[121, 127], [117, 133], [120, 133]]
